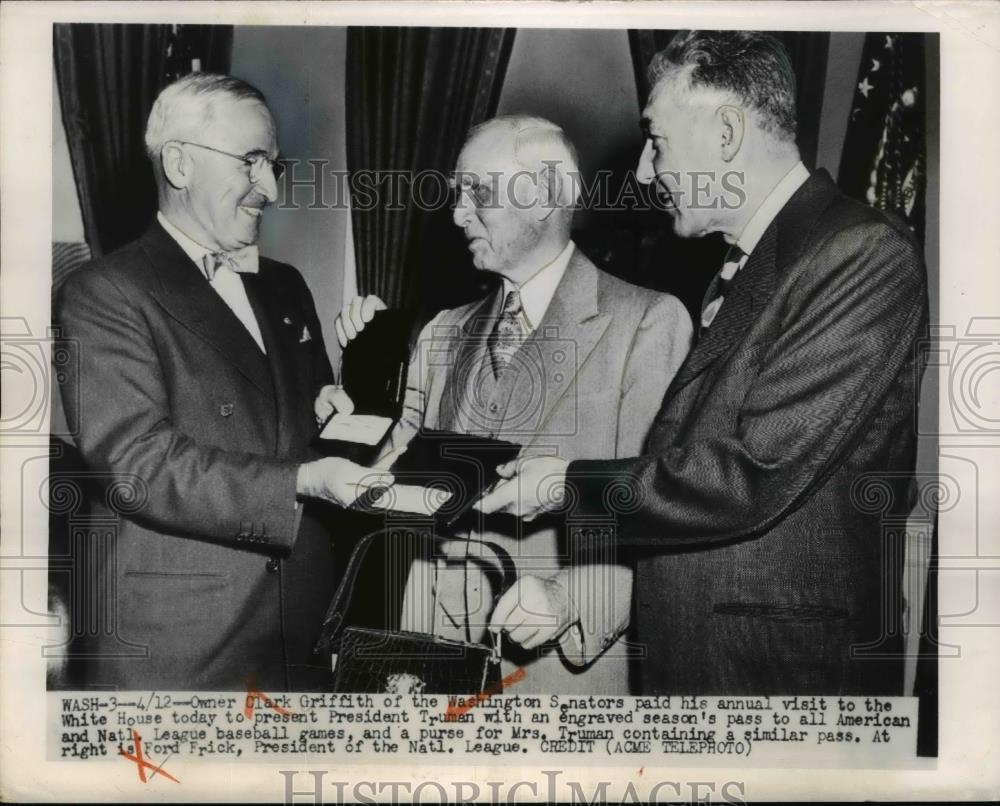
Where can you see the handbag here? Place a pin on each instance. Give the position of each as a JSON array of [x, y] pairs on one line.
[[368, 660]]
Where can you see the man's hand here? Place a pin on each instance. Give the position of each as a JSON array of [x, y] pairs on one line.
[[340, 481], [330, 399], [533, 611], [528, 487], [354, 316]]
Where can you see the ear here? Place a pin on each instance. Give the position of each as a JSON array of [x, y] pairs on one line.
[[550, 190], [177, 165], [732, 127]]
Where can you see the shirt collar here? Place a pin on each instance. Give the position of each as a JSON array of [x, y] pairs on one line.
[[768, 211], [197, 252], [192, 248], [538, 290]]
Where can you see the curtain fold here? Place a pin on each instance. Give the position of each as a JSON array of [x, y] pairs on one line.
[[108, 77], [411, 96], [808, 51]]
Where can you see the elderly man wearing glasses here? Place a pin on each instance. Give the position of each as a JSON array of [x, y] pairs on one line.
[[200, 363]]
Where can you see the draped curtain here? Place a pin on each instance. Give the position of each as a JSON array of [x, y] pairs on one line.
[[108, 77], [808, 52], [411, 96]]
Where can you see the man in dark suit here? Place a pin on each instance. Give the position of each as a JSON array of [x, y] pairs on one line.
[[200, 365], [762, 566]]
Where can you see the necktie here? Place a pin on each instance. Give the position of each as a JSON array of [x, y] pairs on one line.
[[245, 261], [507, 336], [735, 258]]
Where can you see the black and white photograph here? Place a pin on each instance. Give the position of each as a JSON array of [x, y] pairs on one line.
[[476, 390]]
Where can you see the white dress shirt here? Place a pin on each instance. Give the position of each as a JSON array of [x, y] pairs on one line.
[[771, 206], [227, 283], [537, 291], [754, 231]]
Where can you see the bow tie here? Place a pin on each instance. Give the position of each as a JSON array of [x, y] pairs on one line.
[[245, 260]]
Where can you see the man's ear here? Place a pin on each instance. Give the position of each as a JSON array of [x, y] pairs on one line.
[[176, 164], [550, 190], [732, 128]]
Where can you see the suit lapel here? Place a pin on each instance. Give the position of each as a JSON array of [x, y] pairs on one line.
[[748, 294], [562, 342], [754, 284], [185, 294], [271, 307]]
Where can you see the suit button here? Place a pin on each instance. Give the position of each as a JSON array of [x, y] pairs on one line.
[[272, 565]]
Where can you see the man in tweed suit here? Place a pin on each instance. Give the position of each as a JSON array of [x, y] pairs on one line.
[[762, 570]]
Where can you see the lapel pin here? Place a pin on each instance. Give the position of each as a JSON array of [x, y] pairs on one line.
[[287, 320], [226, 409]]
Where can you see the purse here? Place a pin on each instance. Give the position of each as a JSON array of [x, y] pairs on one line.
[[373, 661]]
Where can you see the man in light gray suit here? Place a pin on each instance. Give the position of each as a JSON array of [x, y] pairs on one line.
[[563, 359]]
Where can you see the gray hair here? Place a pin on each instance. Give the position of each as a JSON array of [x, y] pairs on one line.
[[188, 106], [751, 65], [538, 143]]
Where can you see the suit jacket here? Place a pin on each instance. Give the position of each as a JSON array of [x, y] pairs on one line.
[[206, 578], [585, 384], [761, 497]]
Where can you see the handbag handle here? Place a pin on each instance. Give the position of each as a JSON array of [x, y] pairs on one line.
[[333, 621]]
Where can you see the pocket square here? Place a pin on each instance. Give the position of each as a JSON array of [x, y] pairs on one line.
[[306, 336]]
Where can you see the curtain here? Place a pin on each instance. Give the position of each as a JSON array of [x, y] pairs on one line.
[[108, 77], [808, 52], [411, 96]]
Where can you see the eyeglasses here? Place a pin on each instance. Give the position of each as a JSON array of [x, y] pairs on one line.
[[254, 160], [482, 194]]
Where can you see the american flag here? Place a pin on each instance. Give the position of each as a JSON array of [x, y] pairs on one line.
[[884, 158]]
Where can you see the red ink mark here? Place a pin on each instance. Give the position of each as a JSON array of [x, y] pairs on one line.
[[142, 763], [254, 694], [456, 709]]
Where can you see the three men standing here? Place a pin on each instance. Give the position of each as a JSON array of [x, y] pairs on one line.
[[758, 568]]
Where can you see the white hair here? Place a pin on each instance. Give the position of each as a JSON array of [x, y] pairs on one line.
[[538, 144], [187, 107]]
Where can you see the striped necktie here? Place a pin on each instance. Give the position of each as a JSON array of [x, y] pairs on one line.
[[506, 338], [736, 258]]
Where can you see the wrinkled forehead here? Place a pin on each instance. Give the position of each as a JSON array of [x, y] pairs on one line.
[[242, 126]]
